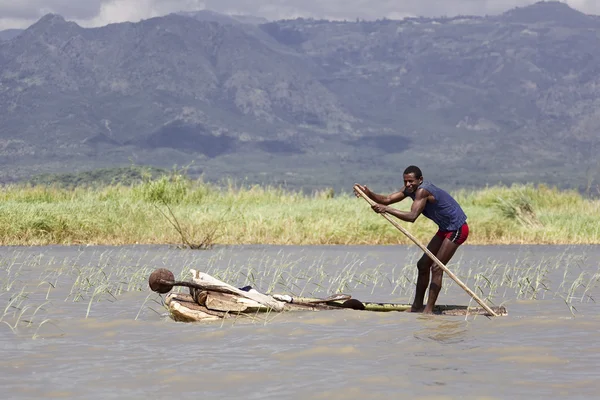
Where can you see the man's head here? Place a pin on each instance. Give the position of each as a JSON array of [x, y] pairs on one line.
[[413, 177]]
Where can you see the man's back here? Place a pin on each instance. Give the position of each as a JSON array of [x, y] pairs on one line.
[[445, 211]]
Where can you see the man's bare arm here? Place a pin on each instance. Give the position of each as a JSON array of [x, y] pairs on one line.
[[416, 209], [383, 199]]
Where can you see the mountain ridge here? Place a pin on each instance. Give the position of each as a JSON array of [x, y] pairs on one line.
[[478, 100]]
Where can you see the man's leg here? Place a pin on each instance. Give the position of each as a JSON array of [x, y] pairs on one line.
[[444, 254], [424, 265]]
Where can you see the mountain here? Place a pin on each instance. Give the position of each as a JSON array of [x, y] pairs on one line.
[[208, 15], [8, 34], [310, 103], [551, 12], [165, 87]]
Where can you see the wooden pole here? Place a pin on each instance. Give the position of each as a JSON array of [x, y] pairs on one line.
[[429, 253]]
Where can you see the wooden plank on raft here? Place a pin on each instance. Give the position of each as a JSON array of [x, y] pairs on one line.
[[231, 303], [213, 284], [211, 299], [183, 308]]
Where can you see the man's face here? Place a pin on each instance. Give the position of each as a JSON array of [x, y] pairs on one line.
[[411, 183]]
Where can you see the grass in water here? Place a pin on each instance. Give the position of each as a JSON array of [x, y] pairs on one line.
[[31, 289]]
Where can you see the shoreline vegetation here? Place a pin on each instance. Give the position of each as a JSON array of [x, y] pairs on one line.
[[174, 209]]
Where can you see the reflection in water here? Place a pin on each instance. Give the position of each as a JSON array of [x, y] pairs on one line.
[[81, 323], [442, 330]]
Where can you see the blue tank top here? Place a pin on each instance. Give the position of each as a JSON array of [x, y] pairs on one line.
[[445, 212]]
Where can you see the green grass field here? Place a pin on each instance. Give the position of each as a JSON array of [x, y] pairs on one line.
[[173, 209]]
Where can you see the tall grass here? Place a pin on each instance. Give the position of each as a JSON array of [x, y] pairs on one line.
[[40, 293], [119, 214]]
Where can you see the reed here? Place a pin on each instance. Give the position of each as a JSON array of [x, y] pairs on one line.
[[175, 210], [32, 287]]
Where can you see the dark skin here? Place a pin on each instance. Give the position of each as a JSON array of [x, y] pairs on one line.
[[442, 248]]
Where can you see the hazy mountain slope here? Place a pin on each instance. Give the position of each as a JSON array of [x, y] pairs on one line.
[[476, 100], [8, 34]]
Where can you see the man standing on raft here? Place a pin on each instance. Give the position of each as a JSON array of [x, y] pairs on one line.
[[437, 205]]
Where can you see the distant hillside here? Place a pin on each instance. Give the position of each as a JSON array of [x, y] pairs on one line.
[[101, 177], [473, 100], [208, 15], [8, 34]]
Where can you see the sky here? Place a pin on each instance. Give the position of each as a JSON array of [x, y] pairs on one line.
[[22, 13]]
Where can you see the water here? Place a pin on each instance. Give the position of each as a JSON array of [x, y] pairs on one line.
[[80, 322]]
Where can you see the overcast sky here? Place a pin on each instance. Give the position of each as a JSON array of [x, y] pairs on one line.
[[22, 13]]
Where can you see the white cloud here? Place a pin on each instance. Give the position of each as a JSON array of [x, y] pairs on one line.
[[135, 10], [21, 13]]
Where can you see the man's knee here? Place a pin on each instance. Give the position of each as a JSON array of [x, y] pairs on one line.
[[424, 265]]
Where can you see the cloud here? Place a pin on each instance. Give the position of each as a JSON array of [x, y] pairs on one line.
[[34, 9], [21, 13], [373, 9], [135, 10]]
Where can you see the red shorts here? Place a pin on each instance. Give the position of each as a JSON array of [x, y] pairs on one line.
[[458, 236]]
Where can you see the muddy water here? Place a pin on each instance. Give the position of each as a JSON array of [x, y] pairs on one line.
[[79, 322]]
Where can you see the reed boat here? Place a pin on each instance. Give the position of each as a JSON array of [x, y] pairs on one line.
[[210, 299]]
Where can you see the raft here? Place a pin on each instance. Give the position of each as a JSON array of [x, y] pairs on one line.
[[210, 299]]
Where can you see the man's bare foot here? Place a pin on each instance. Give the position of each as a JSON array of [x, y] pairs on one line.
[[416, 309], [427, 311]]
